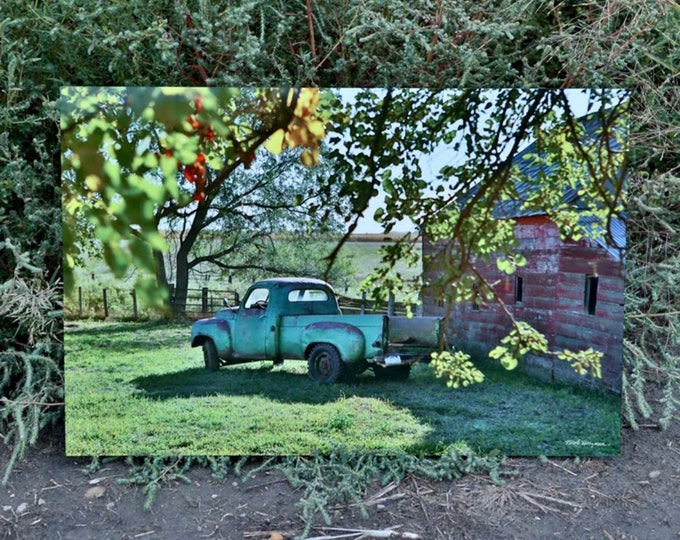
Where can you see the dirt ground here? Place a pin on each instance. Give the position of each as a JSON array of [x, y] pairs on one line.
[[634, 496]]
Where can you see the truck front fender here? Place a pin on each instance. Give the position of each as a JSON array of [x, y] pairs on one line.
[[218, 331], [346, 338]]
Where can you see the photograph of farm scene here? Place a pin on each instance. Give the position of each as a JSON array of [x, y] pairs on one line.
[[290, 271]]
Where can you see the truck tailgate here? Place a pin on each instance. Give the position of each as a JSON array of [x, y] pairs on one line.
[[414, 335]]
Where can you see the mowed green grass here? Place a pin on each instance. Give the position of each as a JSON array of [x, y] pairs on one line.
[[139, 389]]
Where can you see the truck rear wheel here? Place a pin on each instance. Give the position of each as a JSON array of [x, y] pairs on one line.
[[210, 356], [324, 364]]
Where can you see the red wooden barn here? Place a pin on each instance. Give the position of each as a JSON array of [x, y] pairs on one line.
[[571, 291]]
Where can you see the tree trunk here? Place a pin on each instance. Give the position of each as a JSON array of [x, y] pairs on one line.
[[182, 285], [186, 244]]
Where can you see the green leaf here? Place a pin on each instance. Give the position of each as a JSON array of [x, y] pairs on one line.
[[156, 241], [169, 171], [497, 352], [509, 362], [504, 265], [112, 171]]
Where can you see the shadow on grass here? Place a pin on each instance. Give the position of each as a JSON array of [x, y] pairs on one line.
[[263, 381], [128, 336], [100, 328]]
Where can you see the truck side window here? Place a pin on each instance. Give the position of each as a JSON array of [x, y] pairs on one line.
[[257, 299]]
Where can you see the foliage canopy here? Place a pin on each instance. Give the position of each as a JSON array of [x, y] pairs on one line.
[[621, 43]]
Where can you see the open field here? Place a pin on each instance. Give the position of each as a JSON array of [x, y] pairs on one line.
[[139, 389], [363, 250]]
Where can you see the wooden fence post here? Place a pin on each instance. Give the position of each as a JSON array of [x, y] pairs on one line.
[[134, 304], [204, 299], [171, 296], [80, 302], [106, 305], [363, 303], [390, 304]]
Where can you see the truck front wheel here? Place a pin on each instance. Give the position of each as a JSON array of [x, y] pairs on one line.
[[210, 356], [324, 364]]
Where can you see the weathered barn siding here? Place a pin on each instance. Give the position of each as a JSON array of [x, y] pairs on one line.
[[553, 291]]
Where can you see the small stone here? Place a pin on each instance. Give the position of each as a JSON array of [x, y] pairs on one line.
[[95, 492], [41, 502], [22, 509], [7, 508], [276, 536], [654, 474]]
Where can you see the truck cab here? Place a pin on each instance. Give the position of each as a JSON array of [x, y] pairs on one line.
[[256, 322]]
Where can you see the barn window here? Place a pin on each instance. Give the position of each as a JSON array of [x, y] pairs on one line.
[[519, 282], [476, 297], [590, 295]]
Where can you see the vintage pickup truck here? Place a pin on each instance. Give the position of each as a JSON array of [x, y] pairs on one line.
[[299, 319]]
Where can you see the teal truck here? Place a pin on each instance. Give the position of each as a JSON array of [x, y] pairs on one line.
[[299, 319]]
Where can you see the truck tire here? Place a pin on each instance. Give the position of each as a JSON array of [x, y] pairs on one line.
[[392, 373], [210, 356], [324, 364]]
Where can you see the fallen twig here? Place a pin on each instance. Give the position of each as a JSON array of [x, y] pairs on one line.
[[367, 533], [563, 468], [422, 505], [552, 499], [530, 500], [264, 534], [41, 403], [265, 484]]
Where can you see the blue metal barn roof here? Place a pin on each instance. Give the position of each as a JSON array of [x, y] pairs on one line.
[[614, 242]]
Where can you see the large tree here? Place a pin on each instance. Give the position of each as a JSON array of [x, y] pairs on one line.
[[233, 231], [134, 158]]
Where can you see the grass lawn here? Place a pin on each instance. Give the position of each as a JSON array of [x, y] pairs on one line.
[[139, 389]]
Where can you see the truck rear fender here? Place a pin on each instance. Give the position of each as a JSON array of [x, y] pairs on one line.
[[217, 330], [347, 339]]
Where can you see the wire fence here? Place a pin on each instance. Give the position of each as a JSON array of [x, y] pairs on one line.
[[118, 303]]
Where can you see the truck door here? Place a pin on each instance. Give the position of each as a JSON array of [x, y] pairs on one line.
[[252, 334]]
